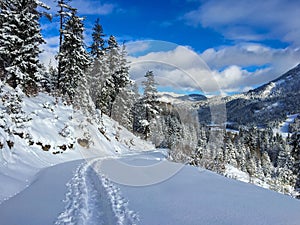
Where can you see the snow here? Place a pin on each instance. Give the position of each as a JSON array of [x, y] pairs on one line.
[[268, 90], [49, 118], [235, 173], [232, 131], [179, 99], [89, 194], [41, 202], [276, 104], [280, 82], [189, 196], [119, 179], [195, 196], [283, 128]]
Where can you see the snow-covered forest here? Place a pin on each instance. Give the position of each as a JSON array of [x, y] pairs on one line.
[[89, 94], [96, 77]]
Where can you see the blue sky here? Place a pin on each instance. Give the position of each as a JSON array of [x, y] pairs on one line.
[[245, 43]]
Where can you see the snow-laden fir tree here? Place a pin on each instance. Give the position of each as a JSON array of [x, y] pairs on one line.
[[19, 43], [98, 72], [295, 144], [118, 76], [64, 13], [74, 60], [46, 80], [12, 118], [146, 109], [124, 105], [98, 45]]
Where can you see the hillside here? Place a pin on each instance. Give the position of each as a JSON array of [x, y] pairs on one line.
[[42, 131], [260, 141], [114, 180], [269, 104]]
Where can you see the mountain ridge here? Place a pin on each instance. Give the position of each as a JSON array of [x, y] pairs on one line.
[[265, 106]]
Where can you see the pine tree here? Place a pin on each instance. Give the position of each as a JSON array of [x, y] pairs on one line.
[[98, 45], [295, 143], [123, 110], [97, 76], [146, 108], [118, 76], [99, 71], [46, 80], [64, 13], [74, 59], [19, 43]]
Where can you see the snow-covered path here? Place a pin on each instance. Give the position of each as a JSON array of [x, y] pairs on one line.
[[93, 199], [68, 193], [41, 202], [78, 192]]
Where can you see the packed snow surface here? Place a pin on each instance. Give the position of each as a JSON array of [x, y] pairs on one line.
[[84, 194], [118, 179]]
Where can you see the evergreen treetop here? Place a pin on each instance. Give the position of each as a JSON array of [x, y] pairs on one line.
[[97, 47]]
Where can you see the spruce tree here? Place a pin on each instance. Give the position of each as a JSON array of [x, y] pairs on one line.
[[64, 13], [123, 106], [98, 72], [19, 43], [118, 75], [146, 108], [98, 45], [295, 144], [74, 58]]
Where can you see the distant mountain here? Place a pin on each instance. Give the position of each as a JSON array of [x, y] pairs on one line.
[[193, 97], [264, 106], [285, 85], [180, 98]]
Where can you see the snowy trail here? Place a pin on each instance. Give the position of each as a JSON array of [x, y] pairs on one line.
[[41, 202], [68, 193], [76, 193], [93, 199]]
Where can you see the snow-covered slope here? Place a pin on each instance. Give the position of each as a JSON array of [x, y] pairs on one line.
[[106, 175], [173, 98], [191, 196], [50, 135], [269, 103], [283, 128]]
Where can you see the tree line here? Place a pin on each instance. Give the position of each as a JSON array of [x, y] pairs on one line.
[[97, 78], [88, 77]]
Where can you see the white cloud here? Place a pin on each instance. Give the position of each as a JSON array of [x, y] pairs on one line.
[[136, 47], [250, 20], [49, 49], [236, 79], [181, 69], [233, 68], [267, 63], [248, 54]]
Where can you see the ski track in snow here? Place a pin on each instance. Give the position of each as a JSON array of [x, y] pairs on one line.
[[92, 199]]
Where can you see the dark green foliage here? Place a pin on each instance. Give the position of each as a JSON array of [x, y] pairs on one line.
[[97, 46], [19, 44], [146, 109], [74, 60], [117, 78]]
